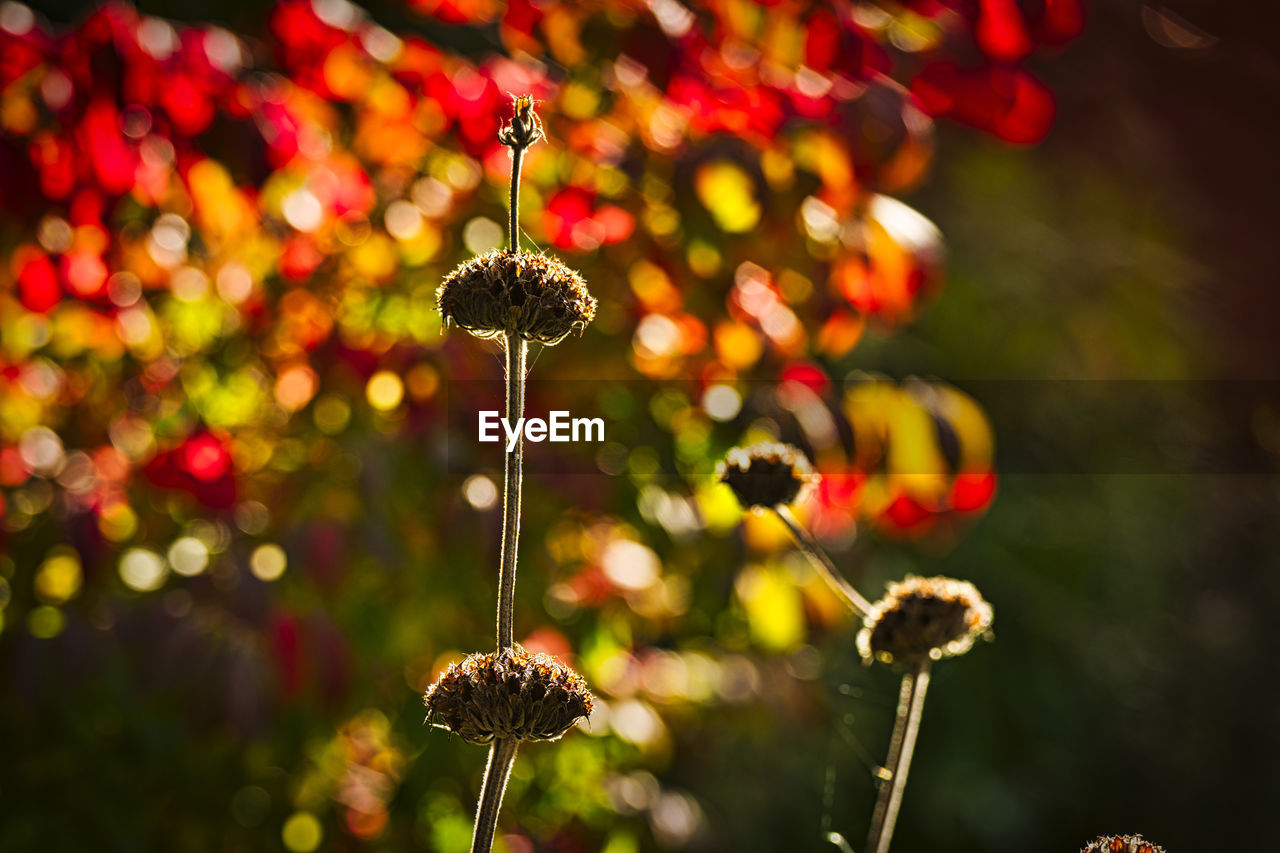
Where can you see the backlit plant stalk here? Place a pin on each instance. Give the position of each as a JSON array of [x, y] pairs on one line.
[[511, 696], [919, 620], [818, 557], [772, 477], [523, 131], [902, 745]]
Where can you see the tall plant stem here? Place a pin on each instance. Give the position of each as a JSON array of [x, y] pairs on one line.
[[513, 468], [902, 744], [502, 754], [513, 475], [513, 223], [818, 557]]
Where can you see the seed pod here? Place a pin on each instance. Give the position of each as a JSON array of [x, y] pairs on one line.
[[508, 694], [766, 475], [525, 293], [525, 128], [924, 618], [1121, 844]]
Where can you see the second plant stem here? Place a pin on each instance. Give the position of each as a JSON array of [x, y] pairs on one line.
[[811, 549], [902, 744]]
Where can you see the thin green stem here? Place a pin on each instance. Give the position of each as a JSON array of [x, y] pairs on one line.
[[513, 475], [502, 754], [513, 224], [818, 557], [902, 744], [839, 841], [523, 131]]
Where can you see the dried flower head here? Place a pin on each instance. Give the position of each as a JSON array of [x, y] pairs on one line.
[[766, 474], [527, 294], [924, 618], [1121, 844], [508, 694], [525, 128]]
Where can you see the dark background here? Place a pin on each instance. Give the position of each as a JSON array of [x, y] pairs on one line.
[[1135, 668]]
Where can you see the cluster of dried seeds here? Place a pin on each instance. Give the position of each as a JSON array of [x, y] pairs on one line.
[[766, 474], [924, 619], [531, 295], [509, 694], [1121, 844]]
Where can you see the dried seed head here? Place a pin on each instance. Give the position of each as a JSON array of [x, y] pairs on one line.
[[525, 293], [525, 128], [924, 618], [1121, 844], [508, 694], [766, 475]]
